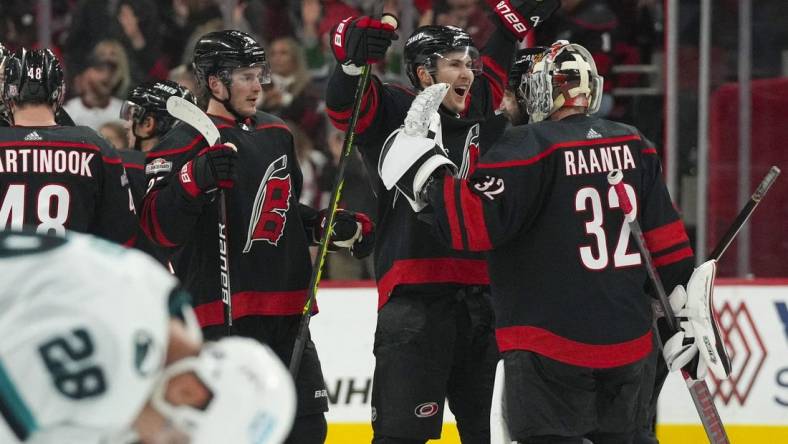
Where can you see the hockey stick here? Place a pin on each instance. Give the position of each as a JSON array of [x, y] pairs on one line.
[[745, 213], [188, 112], [336, 193], [699, 390]]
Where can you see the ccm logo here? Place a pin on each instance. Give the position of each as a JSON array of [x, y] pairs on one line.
[[506, 12], [426, 409], [338, 34]]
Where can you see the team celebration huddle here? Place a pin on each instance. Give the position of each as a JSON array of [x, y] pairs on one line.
[[532, 272]]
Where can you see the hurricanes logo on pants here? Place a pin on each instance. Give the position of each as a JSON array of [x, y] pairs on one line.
[[269, 213]]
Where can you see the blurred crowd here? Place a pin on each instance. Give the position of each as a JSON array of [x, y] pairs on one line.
[[109, 46]]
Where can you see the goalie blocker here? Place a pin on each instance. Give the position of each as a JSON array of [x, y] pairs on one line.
[[697, 346]]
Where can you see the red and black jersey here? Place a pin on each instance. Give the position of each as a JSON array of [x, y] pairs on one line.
[[268, 245], [406, 252], [58, 178], [567, 280], [134, 164]]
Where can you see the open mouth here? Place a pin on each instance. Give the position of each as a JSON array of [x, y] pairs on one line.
[[460, 90]]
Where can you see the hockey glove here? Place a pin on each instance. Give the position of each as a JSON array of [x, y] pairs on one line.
[[214, 167], [413, 154], [410, 163], [697, 347], [520, 16], [357, 41], [351, 230]]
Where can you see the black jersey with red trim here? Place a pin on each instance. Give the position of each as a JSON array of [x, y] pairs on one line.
[[567, 281], [406, 252], [268, 246], [58, 178], [134, 164]]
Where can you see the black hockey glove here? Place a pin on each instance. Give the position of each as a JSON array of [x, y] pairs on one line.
[[214, 167], [351, 230], [520, 16], [357, 41]]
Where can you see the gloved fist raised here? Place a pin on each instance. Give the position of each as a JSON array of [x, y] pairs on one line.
[[520, 16], [212, 168], [357, 41]]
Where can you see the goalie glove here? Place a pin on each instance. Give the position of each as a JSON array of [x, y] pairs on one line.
[[520, 16], [697, 347], [413, 154]]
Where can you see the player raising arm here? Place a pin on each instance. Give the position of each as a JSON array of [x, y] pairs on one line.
[[434, 329], [572, 318]]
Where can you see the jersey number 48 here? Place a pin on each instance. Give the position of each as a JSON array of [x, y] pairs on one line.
[[52, 208]]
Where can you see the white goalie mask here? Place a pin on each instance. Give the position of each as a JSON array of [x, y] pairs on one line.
[[564, 76], [252, 395]]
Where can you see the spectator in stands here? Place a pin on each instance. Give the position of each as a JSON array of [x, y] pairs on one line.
[[356, 196], [116, 134], [592, 24], [184, 75], [290, 96], [466, 14], [317, 18], [133, 23], [311, 163], [95, 85]]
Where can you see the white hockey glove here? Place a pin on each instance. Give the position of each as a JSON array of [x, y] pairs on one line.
[[413, 153], [697, 346]]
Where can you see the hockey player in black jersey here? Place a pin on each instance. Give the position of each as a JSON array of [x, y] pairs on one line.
[[434, 330], [269, 231], [53, 177], [145, 110], [573, 320]]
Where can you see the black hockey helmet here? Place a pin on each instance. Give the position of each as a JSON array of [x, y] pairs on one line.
[[428, 43], [34, 77], [219, 53], [150, 99]]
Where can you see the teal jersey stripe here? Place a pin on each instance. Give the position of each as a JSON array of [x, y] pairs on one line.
[[13, 408]]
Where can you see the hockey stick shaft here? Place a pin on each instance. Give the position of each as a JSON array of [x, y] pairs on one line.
[[745, 213], [699, 390], [336, 194], [189, 113]]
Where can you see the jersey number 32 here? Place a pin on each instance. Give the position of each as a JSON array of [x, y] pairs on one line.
[[588, 199]]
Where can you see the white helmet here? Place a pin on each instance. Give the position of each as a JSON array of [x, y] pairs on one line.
[[563, 76], [253, 397]]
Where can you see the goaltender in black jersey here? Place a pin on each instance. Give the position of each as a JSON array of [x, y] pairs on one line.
[[573, 320]]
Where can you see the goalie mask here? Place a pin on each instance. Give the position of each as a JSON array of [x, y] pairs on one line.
[[565, 76], [251, 395]]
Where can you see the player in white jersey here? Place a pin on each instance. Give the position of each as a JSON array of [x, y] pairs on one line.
[[96, 348]]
